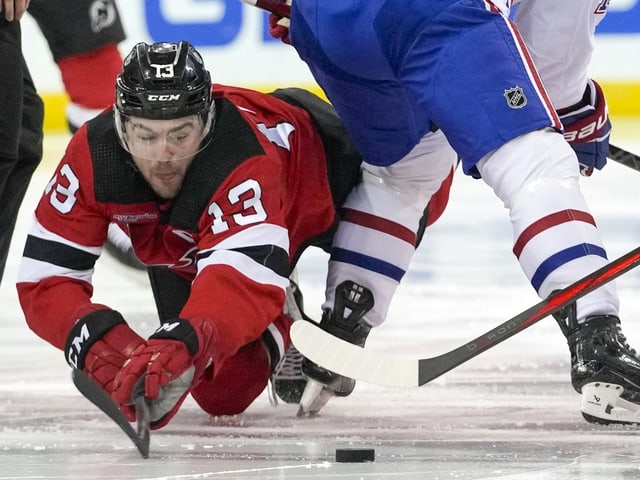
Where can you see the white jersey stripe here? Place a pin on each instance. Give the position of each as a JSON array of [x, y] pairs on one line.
[[245, 265], [264, 233], [35, 270]]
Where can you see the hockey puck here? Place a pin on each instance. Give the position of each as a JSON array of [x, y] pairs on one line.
[[355, 455]]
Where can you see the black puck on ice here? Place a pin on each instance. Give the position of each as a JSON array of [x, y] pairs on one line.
[[355, 455]]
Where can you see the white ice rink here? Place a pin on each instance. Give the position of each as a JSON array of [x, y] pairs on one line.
[[510, 413]]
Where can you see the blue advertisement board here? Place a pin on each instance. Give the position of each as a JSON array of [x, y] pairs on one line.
[[623, 17], [203, 32]]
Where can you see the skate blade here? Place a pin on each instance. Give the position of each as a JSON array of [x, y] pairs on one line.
[[314, 397], [601, 403]]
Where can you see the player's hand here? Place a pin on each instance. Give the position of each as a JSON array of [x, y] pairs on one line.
[[587, 128], [13, 9], [279, 25], [164, 370], [99, 344]]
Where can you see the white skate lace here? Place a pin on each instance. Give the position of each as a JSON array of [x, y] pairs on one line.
[[289, 368]]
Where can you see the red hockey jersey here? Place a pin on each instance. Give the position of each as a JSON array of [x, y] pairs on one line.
[[251, 199]]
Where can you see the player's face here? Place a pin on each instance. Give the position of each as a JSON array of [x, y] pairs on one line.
[[163, 150]]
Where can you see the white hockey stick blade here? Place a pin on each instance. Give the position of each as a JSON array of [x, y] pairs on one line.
[[403, 371], [601, 403], [344, 358]]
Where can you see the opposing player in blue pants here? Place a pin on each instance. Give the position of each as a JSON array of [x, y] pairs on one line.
[[415, 81]]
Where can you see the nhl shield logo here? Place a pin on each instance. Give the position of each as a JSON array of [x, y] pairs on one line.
[[515, 97]]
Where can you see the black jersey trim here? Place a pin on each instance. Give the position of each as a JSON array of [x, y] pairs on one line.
[[58, 254], [270, 256]]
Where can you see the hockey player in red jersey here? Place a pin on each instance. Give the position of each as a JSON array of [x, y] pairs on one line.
[[219, 189]]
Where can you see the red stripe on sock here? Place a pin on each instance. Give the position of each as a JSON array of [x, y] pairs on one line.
[[378, 223], [548, 222]]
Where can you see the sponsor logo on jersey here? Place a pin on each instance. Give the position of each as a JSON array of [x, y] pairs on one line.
[[515, 97], [134, 217]]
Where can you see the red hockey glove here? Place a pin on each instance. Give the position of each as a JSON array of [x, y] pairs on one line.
[[587, 128], [99, 344], [279, 24], [164, 370]]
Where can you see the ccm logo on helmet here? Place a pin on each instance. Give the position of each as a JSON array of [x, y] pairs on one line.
[[164, 98]]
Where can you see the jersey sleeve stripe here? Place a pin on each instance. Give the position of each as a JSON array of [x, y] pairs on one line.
[[246, 265], [256, 235], [35, 271], [38, 231], [58, 254]]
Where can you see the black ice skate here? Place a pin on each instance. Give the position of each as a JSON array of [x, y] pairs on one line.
[[352, 301], [604, 369], [287, 381]]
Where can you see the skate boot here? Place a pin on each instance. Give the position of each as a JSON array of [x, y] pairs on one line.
[[604, 369], [287, 381], [352, 302]]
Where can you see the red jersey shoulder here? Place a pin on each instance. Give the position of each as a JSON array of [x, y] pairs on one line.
[[262, 107]]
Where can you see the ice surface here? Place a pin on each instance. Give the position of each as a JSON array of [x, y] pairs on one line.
[[508, 414]]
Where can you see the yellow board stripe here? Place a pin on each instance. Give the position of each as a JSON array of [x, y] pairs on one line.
[[623, 99]]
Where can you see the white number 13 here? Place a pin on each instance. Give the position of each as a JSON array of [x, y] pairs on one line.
[[253, 210]]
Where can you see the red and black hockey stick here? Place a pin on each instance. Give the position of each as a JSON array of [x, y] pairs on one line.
[[395, 370], [96, 395]]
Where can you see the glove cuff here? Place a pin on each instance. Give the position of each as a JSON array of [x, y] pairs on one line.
[[181, 330], [87, 331]]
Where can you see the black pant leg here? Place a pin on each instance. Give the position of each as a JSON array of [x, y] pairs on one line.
[[21, 119]]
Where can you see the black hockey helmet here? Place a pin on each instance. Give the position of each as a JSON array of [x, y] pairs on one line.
[[162, 81]]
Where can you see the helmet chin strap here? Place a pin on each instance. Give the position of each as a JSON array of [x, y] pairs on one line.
[[211, 120], [119, 127]]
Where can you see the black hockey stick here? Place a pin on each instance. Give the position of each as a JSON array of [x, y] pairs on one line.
[[395, 370], [96, 395], [624, 157]]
